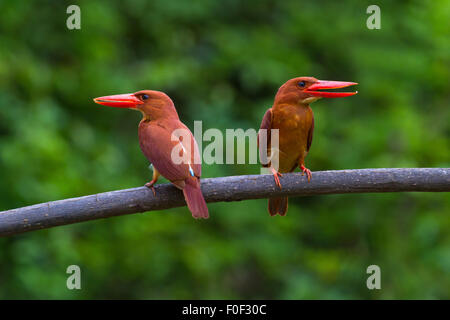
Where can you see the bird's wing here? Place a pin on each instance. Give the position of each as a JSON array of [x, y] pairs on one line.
[[266, 124], [196, 157], [310, 135], [157, 145]]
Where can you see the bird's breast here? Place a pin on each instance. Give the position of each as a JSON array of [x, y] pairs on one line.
[[293, 123]]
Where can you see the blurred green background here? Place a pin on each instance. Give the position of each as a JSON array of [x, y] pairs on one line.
[[222, 62]]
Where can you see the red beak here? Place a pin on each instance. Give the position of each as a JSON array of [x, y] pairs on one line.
[[127, 100], [324, 84]]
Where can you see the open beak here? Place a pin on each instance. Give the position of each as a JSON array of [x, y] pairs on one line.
[[127, 100], [324, 84]]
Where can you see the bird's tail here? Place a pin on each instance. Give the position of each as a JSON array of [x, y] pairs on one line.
[[278, 205], [194, 198]]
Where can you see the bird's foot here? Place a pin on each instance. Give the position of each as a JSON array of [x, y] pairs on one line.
[[307, 171], [150, 186], [276, 174]]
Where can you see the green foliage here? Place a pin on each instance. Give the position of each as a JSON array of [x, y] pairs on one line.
[[222, 62]]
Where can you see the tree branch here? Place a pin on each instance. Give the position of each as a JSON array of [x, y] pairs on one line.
[[236, 188]]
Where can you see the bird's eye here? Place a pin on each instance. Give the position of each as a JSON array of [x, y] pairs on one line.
[[301, 84], [144, 97]]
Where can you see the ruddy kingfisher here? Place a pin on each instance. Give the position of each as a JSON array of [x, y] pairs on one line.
[[293, 117], [158, 140]]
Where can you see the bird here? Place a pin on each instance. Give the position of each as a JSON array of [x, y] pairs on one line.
[[294, 118], [167, 143]]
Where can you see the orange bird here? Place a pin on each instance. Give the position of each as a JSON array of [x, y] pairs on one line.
[[167, 143], [293, 117]]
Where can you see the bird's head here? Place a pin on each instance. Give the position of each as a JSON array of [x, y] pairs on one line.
[[305, 90], [153, 104]]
